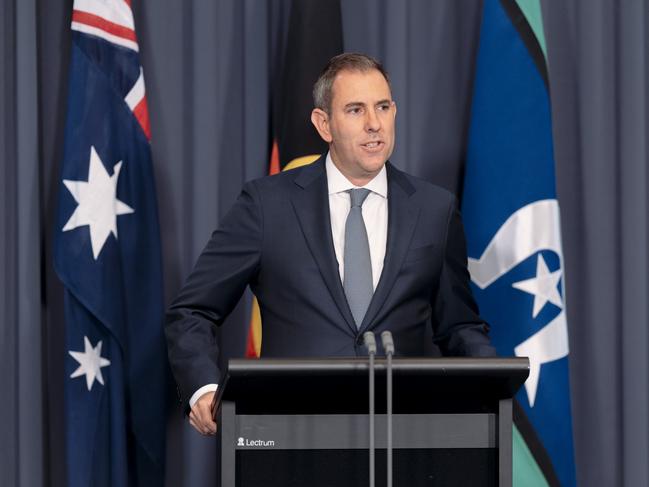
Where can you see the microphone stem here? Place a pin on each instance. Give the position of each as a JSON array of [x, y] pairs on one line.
[[372, 447], [389, 418]]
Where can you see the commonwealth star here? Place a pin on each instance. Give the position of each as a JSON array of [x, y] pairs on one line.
[[98, 205]]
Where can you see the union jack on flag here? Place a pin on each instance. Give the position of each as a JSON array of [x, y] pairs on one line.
[[107, 255]]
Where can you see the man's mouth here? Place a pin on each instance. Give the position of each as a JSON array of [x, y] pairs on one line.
[[374, 145]]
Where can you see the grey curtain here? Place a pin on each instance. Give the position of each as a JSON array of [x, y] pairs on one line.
[[209, 69], [599, 76], [208, 92], [21, 352]]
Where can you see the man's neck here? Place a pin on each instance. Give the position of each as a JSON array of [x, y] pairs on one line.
[[337, 181], [358, 180]]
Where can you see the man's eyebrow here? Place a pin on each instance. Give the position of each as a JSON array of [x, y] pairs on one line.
[[355, 104]]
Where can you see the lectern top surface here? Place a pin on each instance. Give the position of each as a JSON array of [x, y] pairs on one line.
[[333, 384], [445, 366]]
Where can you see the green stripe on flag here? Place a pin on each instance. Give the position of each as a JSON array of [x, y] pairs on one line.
[[532, 11], [526, 472]]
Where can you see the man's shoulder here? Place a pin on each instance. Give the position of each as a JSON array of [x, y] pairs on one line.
[[288, 178], [420, 188]]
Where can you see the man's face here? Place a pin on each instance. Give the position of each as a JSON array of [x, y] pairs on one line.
[[360, 127]]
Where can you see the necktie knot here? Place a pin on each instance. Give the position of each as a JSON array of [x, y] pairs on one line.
[[358, 196]]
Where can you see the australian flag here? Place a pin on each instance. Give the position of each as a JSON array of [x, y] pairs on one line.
[[107, 254], [511, 215]]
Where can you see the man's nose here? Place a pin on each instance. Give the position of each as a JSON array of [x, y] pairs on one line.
[[372, 122]]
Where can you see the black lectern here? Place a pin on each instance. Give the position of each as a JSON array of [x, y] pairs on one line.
[[304, 423]]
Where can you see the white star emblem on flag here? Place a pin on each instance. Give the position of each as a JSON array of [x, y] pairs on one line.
[[90, 363], [544, 287], [98, 205]]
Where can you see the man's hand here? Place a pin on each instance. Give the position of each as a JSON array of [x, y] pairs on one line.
[[200, 416]]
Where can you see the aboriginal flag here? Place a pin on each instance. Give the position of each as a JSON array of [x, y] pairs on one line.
[[314, 36]]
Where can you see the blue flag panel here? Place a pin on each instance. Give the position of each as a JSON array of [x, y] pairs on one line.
[[512, 223]]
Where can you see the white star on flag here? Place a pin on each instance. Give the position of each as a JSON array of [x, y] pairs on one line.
[[98, 205], [543, 286], [90, 363]]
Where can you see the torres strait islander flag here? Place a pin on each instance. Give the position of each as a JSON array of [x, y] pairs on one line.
[[511, 216], [107, 255], [314, 36]]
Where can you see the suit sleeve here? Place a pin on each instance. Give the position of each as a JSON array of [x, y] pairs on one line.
[[228, 263], [460, 330]]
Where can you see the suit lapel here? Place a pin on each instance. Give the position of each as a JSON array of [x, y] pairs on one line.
[[311, 204], [402, 220]]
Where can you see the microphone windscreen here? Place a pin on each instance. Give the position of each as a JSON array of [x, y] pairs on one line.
[[388, 342], [369, 341]]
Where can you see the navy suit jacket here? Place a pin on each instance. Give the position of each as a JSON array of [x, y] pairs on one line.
[[277, 239]]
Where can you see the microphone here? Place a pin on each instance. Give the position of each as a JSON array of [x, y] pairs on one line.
[[370, 343], [388, 342], [388, 347]]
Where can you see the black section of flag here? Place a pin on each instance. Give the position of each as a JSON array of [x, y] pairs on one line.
[[522, 26], [535, 446], [314, 37]]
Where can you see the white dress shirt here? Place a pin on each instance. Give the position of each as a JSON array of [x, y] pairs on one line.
[[375, 216]]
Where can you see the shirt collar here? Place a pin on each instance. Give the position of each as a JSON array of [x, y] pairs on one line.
[[337, 182]]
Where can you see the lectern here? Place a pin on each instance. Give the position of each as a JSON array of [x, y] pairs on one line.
[[304, 423]]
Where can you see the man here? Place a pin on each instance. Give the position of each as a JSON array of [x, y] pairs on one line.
[[331, 250]]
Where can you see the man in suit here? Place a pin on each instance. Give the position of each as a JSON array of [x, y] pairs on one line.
[[331, 250]]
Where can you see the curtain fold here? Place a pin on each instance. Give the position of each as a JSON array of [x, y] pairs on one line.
[[598, 73], [22, 408]]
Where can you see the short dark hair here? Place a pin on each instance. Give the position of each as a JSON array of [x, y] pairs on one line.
[[348, 61]]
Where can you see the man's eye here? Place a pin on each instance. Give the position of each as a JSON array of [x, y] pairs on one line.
[[384, 107], [354, 111]]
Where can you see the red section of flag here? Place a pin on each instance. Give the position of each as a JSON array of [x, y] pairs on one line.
[[112, 28], [250, 347], [274, 167], [254, 330], [141, 113]]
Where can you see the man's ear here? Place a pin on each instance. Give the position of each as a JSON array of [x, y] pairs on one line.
[[320, 121]]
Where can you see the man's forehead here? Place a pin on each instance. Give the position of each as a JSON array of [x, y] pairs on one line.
[[360, 86]]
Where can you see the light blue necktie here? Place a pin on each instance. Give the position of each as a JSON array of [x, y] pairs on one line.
[[357, 280]]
